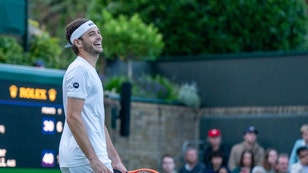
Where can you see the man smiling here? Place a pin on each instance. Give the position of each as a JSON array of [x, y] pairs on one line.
[[85, 145]]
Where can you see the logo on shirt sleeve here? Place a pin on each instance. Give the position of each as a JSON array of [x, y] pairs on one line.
[[76, 85]]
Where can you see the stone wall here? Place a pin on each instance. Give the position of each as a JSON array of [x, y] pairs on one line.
[[155, 129]]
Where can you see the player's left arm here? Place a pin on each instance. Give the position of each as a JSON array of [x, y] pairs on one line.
[[113, 154]]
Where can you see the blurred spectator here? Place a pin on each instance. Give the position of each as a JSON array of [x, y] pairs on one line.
[[216, 160], [246, 163], [302, 165], [214, 144], [282, 163], [270, 160], [299, 143], [223, 170], [192, 164], [250, 143], [258, 169], [167, 164]]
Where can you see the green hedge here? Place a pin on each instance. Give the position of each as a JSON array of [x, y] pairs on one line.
[[221, 26]]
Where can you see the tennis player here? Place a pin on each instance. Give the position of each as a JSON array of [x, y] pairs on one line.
[[85, 145]]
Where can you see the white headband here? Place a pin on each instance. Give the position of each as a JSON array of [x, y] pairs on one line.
[[80, 31]]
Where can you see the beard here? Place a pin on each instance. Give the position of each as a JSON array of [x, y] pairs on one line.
[[89, 48]]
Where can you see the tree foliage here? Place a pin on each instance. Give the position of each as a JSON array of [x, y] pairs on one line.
[[127, 37], [42, 47], [192, 27], [53, 16]]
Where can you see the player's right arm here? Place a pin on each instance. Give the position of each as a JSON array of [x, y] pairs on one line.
[[78, 129]]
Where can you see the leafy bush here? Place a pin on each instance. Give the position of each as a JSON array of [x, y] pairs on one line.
[[188, 95], [114, 84], [157, 87], [131, 38], [127, 37], [41, 47], [46, 48], [10, 51]]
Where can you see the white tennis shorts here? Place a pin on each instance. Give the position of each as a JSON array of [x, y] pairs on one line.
[[77, 169]]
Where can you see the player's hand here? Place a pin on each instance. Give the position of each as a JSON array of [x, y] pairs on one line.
[[119, 166], [99, 167]]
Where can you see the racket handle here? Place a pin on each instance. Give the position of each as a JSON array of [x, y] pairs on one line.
[[116, 171]]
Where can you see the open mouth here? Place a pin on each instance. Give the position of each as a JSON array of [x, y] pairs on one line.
[[98, 44]]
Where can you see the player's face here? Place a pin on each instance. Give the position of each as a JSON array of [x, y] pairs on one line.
[[92, 41]]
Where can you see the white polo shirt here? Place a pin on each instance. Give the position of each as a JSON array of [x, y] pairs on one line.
[[81, 81]]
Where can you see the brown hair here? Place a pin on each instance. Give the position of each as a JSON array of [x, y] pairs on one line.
[[70, 28], [252, 158], [267, 165], [166, 156]]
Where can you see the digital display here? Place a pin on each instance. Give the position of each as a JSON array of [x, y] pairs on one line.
[[31, 123]]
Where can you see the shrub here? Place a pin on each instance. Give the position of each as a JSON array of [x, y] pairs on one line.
[[46, 48], [114, 84], [10, 51], [157, 87], [127, 37], [188, 95]]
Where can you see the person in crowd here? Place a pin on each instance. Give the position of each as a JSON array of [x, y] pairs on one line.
[[258, 169], [282, 163], [302, 165], [299, 143], [223, 170], [167, 164], [192, 164], [247, 163], [214, 139], [270, 160], [216, 162], [249, 143]]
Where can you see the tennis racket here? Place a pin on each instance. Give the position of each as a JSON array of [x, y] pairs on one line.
[[141, 170]]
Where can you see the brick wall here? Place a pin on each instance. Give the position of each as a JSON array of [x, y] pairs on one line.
[[155, 129]]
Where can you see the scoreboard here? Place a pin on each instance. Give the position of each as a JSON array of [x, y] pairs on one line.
[[31, 118]]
